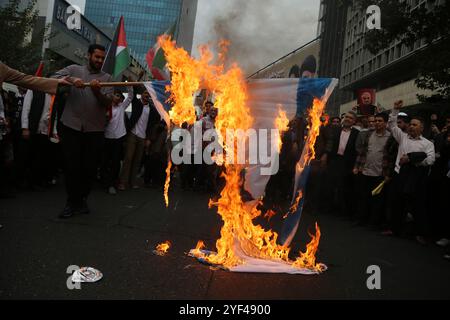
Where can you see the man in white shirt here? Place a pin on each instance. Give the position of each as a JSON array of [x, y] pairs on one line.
[[115, 133], [415, 156], [35, 129], [143, 116]]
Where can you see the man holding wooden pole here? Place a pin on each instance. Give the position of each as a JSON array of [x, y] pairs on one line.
[[82, 128]]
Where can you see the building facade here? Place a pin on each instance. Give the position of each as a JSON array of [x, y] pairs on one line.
[[63, 45], [331, 31], [145, 20], [391, 72]]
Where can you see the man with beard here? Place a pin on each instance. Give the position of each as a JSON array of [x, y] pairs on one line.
[[82, 128]]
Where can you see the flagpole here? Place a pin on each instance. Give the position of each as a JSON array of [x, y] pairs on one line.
[[117, 84]]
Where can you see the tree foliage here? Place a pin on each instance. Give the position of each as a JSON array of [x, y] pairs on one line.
[[400, 22], [17, 49]]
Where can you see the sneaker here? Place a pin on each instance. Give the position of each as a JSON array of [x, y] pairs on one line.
[[112, 191], [447, 256], [121, 187], [387, 233], [67, 212], [443, 242], [135, 187]]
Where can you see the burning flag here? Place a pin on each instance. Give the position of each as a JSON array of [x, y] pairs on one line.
[[156, 60], [244, 246]]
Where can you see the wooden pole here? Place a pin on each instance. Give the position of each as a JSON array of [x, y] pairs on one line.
[[116, 84]]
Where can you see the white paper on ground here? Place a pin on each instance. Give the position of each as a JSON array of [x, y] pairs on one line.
[[86, 274]]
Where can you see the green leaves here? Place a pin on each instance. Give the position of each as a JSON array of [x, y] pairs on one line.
[[17, 48]]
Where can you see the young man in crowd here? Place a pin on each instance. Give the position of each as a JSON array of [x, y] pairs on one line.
[[115, 133], [369, 164], [35, 132], [143, 117]]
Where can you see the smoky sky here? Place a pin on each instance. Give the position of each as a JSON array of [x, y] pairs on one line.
[[260, 31]]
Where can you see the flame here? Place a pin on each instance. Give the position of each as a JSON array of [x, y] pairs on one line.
[[269, 214], [200, 245], [162, 248], [281, 123], [308, 259], [185, 81], [229, 89], [167, 183], [294, 206]]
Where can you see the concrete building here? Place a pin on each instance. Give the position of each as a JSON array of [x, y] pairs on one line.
[[331, 31], [186, 24], [391, 72]]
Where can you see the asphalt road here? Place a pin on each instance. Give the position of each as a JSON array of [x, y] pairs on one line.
[[119, 236]]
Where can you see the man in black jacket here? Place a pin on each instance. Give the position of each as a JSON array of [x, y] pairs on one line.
[[143, 117], [340, 155]]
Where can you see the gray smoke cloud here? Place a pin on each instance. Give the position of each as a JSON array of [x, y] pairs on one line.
[[260, 31]]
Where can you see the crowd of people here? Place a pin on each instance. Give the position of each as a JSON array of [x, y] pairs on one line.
[[385, 170], [389, 171]]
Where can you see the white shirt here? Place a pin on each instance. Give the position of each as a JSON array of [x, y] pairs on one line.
[[115, 129], [407, 144], [343, 141], [45, 116], [141, 126]]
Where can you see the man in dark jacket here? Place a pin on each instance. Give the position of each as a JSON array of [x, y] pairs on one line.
[[340, 155]]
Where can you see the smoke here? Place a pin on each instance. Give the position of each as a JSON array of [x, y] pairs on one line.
[[260, 31]]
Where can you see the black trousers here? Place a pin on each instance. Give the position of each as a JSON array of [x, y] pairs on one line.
[[409, 198], [370, 208], [339, 188], [112, 156], [40, 159], [81, 151]]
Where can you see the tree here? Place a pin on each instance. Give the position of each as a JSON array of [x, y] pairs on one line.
[[405, 24], [17, 49]]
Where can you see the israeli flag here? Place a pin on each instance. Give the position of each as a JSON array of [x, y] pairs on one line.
[[160, 97], [294, 96]]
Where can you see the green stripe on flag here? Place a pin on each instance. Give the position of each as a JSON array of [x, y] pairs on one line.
[[123, 60]]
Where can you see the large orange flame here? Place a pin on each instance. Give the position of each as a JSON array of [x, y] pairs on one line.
[[308, 258], [229, 89]]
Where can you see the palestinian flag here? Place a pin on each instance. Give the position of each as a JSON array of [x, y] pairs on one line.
[[118, 57], [40, 69], [156, 60]]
